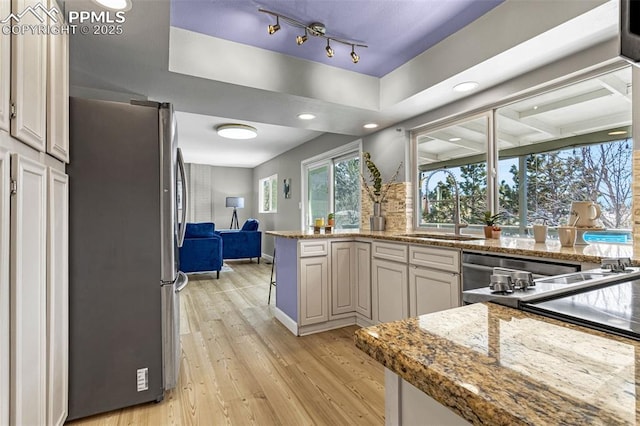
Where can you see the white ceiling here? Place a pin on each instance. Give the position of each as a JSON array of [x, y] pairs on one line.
[[212, 81]]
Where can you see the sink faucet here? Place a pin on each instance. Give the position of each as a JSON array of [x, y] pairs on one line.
[[457, 225]]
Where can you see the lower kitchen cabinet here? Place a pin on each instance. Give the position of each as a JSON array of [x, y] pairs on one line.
[[314, 285], [390, 293], [431, 290], [33, 287], [363, 279], [343, 274]]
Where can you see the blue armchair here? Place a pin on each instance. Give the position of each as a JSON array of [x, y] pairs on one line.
[[202, 249], [242, 243]]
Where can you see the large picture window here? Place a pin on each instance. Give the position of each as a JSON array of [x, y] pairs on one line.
[[541, 154], [268, 190]]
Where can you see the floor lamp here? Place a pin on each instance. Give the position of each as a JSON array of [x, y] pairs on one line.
[[236, 203]]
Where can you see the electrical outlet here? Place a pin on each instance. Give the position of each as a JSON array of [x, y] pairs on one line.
[[143, 379]]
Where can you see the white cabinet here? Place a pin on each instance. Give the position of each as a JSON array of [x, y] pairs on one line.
[[431, 290], [57, 298], [313, 283], [343, 277], [29, 80], [363, 279], [5, 306], [390, 293], [58, 95], [28, 293], [5, 75], [434, 279]]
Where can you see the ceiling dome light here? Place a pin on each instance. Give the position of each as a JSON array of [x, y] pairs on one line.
[[237, 131], [329, 50], [455, 139], [466, 86], [306, 116], [123, 5], [370, 126]]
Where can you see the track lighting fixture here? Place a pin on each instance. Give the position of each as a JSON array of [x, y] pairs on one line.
[[273, 28], [329, 50], [354, 56], [316, 29], [302, 38]]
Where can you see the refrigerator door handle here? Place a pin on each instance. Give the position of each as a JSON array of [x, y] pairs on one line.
[[181, 282], [185, 199]]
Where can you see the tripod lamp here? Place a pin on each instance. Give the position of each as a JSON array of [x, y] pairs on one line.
[[236, 203]]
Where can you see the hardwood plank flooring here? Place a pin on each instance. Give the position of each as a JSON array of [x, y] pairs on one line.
[[240, 366]]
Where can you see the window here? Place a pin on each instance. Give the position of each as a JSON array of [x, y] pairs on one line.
[[568, 144], [332, 182], [268, 189]]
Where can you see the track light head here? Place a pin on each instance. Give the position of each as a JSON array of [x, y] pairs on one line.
[[302, 38], [329, 50], [354, 56], [273, 28]]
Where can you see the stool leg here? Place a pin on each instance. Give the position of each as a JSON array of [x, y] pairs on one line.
[[272, 283]]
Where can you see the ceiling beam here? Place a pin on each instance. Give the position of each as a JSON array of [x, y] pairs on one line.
[[599, 123], [531, 123], [565, 102], [616, 85]]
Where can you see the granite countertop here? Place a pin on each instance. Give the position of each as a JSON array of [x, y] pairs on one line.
[[591, 253], [500, 366]]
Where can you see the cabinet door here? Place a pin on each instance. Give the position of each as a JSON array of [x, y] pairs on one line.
[[58, 95], [390, 293], [5, 73], [29, 79], [58, 297], [363, 279], [343, 271], [4, 288], [314, 286], [28, 292], [431, 291]]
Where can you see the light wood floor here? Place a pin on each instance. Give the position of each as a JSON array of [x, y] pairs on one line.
[[240, 366]]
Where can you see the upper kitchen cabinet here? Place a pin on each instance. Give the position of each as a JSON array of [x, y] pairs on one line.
[[5, 71], [29, 81], [58, 95]]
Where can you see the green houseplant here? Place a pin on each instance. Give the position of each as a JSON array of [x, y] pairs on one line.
[[491, 223]]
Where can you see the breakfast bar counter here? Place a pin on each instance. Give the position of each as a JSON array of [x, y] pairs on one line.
[[494, 365]]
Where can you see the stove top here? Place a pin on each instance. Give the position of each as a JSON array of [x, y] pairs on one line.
[[614, 308], [550, 286]]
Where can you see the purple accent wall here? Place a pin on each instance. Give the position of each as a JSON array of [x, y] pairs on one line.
[[287, 276], [395, 31]]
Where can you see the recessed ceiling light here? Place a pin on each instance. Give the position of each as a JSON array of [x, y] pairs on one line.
[[237, 131], [617, 132], [370, 126], [306, 116], [455, 139], [466, 86], [114, 4], [535, 107]]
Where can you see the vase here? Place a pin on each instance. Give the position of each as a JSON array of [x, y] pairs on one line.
[[377, 221], [488, 230]]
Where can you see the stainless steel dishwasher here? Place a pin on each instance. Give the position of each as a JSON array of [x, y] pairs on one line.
[[477, 268]]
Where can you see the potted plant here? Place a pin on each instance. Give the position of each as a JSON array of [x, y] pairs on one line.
[[490, 221], [377, 192], [496, 231], [331, 219]]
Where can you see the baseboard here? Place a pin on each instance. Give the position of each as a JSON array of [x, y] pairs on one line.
[[364, 322], [290, 324], [326, 326], [267, 257]]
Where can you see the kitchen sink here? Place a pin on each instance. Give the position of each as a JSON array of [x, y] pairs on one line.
[[436, 236]]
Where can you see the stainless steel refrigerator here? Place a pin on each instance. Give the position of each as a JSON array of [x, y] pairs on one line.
[[127, 206]]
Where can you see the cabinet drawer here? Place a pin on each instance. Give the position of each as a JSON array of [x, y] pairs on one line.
[[395, 252], [438, 258], [313, 248]]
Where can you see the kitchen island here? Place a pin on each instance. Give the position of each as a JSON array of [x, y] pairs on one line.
[[495, 365]]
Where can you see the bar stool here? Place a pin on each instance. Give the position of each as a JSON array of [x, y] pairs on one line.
[[272, 283]]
